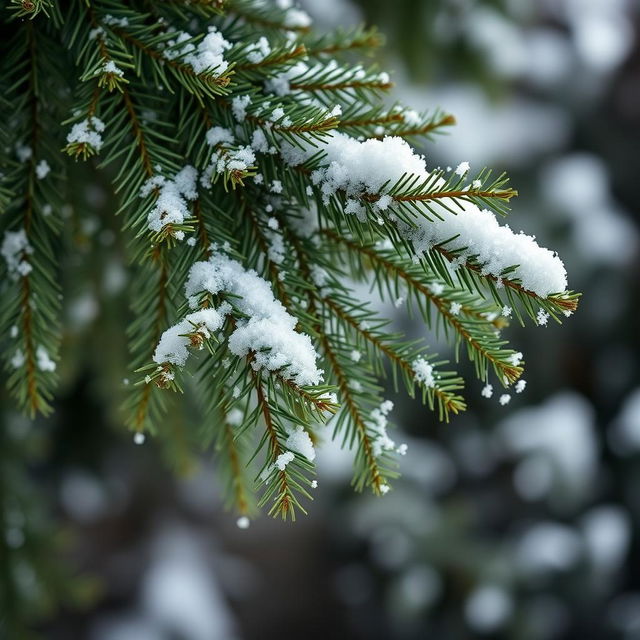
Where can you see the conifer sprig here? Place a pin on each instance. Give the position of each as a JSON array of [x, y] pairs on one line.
[[258, 174]]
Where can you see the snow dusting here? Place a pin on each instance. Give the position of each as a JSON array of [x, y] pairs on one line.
[[171, 205], [423, 372]]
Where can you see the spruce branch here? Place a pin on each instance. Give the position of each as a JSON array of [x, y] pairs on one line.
[[341, 41], [476, 332], [370, 469], [231, 458], [30, 314], [257, 173], [349, 84], [267, 17], [282, 480], [276, 58], [201, 85], [31, 8], [400, 356]]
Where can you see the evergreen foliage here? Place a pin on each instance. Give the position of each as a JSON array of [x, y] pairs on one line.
[[213, 123]]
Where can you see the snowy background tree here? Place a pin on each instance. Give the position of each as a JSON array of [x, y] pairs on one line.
[[255, 145]]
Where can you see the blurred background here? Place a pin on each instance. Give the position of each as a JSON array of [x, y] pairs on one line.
[[518, 521]]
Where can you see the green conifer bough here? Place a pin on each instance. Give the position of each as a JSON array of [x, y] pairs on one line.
[[257, 171]]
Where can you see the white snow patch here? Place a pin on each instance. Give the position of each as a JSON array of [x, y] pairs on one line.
[[269, 332], [88, 132], [15, 246]]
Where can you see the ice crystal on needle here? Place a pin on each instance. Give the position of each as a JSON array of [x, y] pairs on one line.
[[88, 132]]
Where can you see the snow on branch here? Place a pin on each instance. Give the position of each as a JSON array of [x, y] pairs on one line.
[[369, 171], [263, 327]]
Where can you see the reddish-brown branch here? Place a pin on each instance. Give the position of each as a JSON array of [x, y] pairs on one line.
[[285, 505], [137, 134], [371, 41], [241, 500]]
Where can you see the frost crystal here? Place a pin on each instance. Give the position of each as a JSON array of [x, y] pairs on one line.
[[487, 391], [171, 205], [42, 169], [44, 362], [14, 248], [259, 141], [239, 159], [378, 421], [216, 135], [18, 359], [423, 372], [504, 399], [23, 152], [515, 359], [239, 106], [243, 522], [462, 168], [520, 386], [283, 460], [542, 317], [111, 67], [296, 18], [87, 132], [234, 417], [258, 51], [117, 22], [173, 343]]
